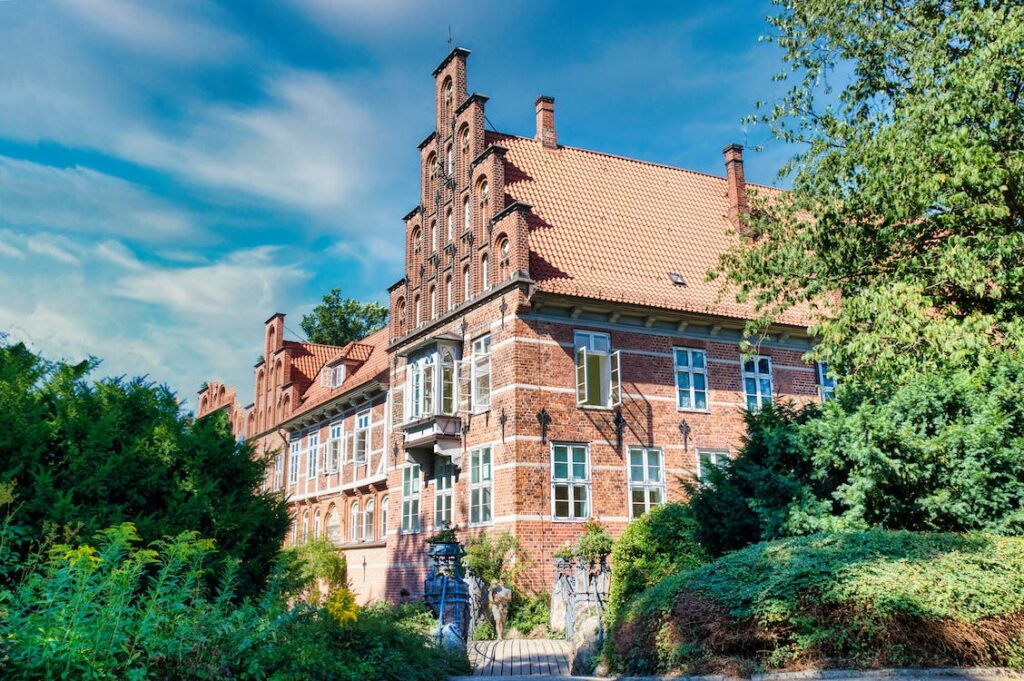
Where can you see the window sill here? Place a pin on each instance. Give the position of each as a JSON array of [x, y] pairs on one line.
[[488, 523], [569, 520], [595, 407], [689, 410]]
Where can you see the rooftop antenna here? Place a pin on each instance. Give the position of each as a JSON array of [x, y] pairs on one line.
[[450, 41]]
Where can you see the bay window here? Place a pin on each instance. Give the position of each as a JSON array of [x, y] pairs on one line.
[[598, 370]]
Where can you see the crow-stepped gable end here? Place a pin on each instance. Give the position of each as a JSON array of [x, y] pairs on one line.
[[554, 354]]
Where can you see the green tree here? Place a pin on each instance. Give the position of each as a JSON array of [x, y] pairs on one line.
[[83, 456], [904, 229], [942, 452], [339, 321]]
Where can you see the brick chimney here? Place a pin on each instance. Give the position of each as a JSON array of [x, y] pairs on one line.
[[736, 185], [546, 134]]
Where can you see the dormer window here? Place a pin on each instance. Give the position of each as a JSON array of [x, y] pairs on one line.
[[333, 377]]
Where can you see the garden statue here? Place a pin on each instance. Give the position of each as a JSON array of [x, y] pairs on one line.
[[500, 598]]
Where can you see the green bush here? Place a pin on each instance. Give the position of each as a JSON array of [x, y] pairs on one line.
[[528, 612], [655, 545], [870, 599], [494, 558], [118, 611], [942, 452], [595, 543]]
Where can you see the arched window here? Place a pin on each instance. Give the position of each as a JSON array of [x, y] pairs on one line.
[[354, 524], [449, 225], [316, 524], [202, 403], [448, 383], [446, 90], [431, 174], [485, 199], [485, 272], [417, 317], [504, 248], [259, 382], [467, 284], [449, 160], [400, 314], [464, 143], [295, 530], [279, 370], [417, 241], [467, 214], [334, 525], [368, 521], [433, 235], [449, 294], [384, 506], [433, 301], [305, 527]]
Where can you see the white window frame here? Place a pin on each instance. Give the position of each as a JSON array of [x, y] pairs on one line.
[[826, 382], [448, 362], [571, 482], [355, 523], [759, 395], [313, 456], [692, 372], [332, 377], [481, 486], [385, 503], [646, 483], [589, 344], [316, 524], [716, 457], [444, 493], [422, 386], [411, 488], [361, 441], [485, 271], [294, 451], [335, 445], [481, 367], [369, 531], [279, 470], [467, 283], [305, 527]]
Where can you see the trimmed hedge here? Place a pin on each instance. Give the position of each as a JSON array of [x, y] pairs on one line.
[[860, 599]]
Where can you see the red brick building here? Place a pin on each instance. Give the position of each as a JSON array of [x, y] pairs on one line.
[[554, 354]]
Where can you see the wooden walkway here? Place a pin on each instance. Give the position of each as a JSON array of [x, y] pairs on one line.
[[519, 657]]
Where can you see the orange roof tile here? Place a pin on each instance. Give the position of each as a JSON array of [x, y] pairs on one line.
[[612, 228], [307, 359], [373, 350]]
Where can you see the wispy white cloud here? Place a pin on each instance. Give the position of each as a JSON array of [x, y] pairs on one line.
[[46, 245], [83, 200]]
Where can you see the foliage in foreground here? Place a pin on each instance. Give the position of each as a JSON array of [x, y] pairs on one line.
[[871, 599], [83, 456], [655, 545], [903, 230], [118, 611], [495, 558], [340, 321], [943, 452]]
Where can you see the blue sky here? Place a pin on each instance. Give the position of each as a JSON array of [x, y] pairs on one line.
[[172, 173]]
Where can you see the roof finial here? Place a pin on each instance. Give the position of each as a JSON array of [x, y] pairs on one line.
[[450, 41]]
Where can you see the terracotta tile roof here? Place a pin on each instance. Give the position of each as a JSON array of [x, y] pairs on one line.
[[612, 228], [371, 351], [307, 360]]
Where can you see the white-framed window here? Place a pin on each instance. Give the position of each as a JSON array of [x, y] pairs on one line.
[[279, 471], [598, 370], [757, 382], [481, 486], [334, 447], [826, 382], [361, 444], [305, 527], [449, 224], [570, 481], [646, 480], [355, 522], [482, 373], [691, 372], [385, 504], [368, 518], [449, 382], [411, 498], [316, 524], [467, 214], [433, 301], [708, 459], [332, 377], [467, 284], [295, 530], [485, 272], [312, 455], [444, 485], [449, 292], [449, 154], [293, 460], [421, 393]]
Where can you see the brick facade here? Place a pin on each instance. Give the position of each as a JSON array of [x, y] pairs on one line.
[[526, 243]]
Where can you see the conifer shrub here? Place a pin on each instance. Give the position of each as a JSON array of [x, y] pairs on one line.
[[850, 599]]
